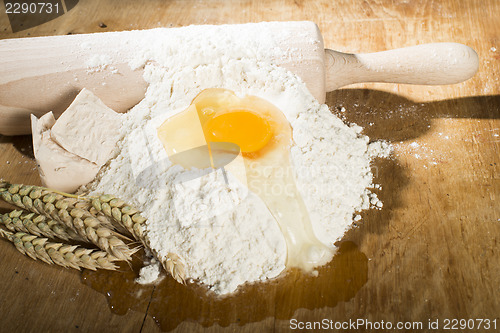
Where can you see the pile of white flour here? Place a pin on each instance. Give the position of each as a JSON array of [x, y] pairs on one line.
[[225, 234]]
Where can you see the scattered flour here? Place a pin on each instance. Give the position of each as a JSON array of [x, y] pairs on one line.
[[149, 273], [224, 233], [414, 144], [97, 62]]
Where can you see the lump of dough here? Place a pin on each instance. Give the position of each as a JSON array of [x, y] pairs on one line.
[[58, 168], [88, 128], [70, 151]]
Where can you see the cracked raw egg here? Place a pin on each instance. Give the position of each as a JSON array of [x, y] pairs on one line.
[[263, 137]]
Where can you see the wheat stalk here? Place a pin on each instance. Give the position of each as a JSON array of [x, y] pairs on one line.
[[70, 217], [65, 255]]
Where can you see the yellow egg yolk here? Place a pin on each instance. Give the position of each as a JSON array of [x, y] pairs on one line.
[[249, 130]]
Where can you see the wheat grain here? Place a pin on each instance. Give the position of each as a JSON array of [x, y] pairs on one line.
[[175, 267]]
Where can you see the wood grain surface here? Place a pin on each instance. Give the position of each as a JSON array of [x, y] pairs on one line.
[[431, 253]]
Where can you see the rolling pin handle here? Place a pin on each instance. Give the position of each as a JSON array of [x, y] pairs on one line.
[[426, 64]]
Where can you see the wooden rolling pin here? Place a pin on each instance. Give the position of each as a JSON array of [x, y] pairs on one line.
[[44, 74]]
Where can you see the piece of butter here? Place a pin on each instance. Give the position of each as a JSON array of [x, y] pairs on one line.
[[88, 128]]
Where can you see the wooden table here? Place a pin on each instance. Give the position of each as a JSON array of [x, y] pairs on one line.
[[431, 253]]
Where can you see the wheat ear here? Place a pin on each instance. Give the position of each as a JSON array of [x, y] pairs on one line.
[[93, 218], [131, 219], [46, 202], [65, 255], [69, 210], [121, 213], [37, 225]]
